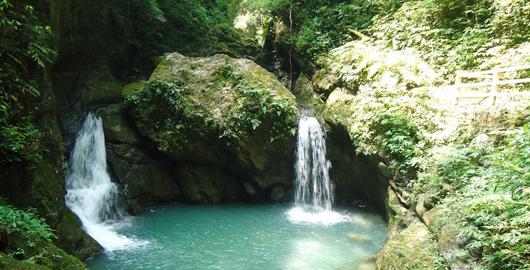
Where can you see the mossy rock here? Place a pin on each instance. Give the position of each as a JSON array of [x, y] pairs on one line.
[[359, 64], [116, 126], [8, 263], [411, 249], [306, 96], [44, 253], [45, 190], [99, 87], [339, 107], [444, 220], [132, 88], [234, 98], [226, 112]]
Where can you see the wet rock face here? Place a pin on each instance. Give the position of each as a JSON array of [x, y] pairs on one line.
[[357, 180]]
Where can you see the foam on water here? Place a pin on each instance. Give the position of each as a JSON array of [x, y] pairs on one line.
[[300, 215]]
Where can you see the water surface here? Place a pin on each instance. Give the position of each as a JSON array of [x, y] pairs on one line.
[[243, 237]]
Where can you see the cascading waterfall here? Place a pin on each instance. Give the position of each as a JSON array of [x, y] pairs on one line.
[[91, 194], [313, 186], [314, 190]]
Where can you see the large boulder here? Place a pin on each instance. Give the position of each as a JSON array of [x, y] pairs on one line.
[[228, 115], [144, 175]]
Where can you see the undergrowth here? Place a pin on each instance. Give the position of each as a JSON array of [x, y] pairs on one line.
[[489, 184], [22, 223]]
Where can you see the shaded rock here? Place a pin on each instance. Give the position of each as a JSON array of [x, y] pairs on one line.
[[99, 87], [144, 175], [73, 239], [279, 194], [80, 90], [205, 184], [117, 127], [146, 180], [250, 188], [355, 176]]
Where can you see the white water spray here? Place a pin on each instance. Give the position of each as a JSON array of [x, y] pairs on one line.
[[91, 194], [313, 186], [314, 190]]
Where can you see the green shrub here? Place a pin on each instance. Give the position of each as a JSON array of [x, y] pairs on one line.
[[511, 20], [502, 213], [25, 224], [20, 143], [259, 106]]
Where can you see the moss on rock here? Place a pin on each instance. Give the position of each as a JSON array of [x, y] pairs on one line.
[[217, 96], [8, 263], [411, 249], [132, 88], [100, 87], [224, 112], [45, 253], [306, 96]]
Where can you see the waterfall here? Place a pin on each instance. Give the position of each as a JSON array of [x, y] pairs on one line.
[[314, 190], [313, 186], [91, 194]]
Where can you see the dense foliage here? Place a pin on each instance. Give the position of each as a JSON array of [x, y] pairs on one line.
[[156, 101], [315, 27], [455, 34], [24, 54], [449, 33], [24, 224], [385, 109], [500, 213], [492, 179], [131, 35]]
